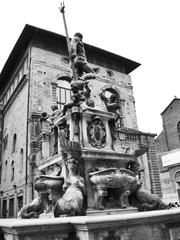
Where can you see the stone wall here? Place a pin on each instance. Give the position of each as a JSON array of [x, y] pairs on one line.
[[1, 135], [161, 143], [170, 119], [48, 66], [167, 142], [14, 148], [153, 167], [156, 225]]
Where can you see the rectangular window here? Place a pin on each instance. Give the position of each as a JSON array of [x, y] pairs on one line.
[[11, 207], [20, 202], [63, 96]]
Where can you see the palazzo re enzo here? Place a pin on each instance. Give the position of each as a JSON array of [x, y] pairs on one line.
[[34, 78]]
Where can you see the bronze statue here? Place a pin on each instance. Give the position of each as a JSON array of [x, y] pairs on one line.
[[77, 88], [113, 105], [134, 166], [72, 202], [56, 112], [78, 56], [83, 72]]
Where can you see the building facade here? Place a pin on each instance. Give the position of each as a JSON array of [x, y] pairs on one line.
[[168, 150], [34, 78]]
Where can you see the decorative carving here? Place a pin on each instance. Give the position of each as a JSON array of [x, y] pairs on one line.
[[106, 163], [121, 179], [72, 202], [96, 132], [71, 149], [49, 190], [63, 136], [53, 170], [124, 181], [32, 210], [50, 185], [112, 236], [54, 141], [65, 60]]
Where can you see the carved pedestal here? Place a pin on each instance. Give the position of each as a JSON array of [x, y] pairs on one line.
[[97, 175]]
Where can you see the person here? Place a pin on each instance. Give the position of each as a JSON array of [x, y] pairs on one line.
[[78, 56]]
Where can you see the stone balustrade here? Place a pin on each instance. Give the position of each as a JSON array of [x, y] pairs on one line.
[[154, 225]]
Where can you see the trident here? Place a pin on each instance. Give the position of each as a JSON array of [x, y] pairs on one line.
[[62, 7]]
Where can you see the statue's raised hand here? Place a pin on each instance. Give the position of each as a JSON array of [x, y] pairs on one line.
[[62, 7]]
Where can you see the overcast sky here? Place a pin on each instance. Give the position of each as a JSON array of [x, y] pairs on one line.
[[146, 31]]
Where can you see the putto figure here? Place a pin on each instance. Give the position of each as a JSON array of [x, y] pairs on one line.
[[113, 105], [56, 112]]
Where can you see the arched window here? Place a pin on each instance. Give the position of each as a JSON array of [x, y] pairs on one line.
[[177, 175], [12, 171], [21, 159], [178, 129], [14, 143], [63, 92]]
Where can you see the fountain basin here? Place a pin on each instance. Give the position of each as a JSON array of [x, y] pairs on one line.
[[112, 177], [44, 183]]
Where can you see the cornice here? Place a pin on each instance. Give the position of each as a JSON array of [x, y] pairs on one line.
[[16, 92]]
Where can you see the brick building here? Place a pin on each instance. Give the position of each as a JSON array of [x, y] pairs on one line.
[[32, 80], [168, 150]]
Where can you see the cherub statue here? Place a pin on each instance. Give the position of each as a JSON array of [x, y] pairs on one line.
[[56, 112], [113, 105]]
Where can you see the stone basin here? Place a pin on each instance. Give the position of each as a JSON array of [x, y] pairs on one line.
[[44, 183], [111, 177]]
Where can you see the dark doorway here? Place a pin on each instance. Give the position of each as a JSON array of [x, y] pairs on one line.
[[11, 207], [4, 209]]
